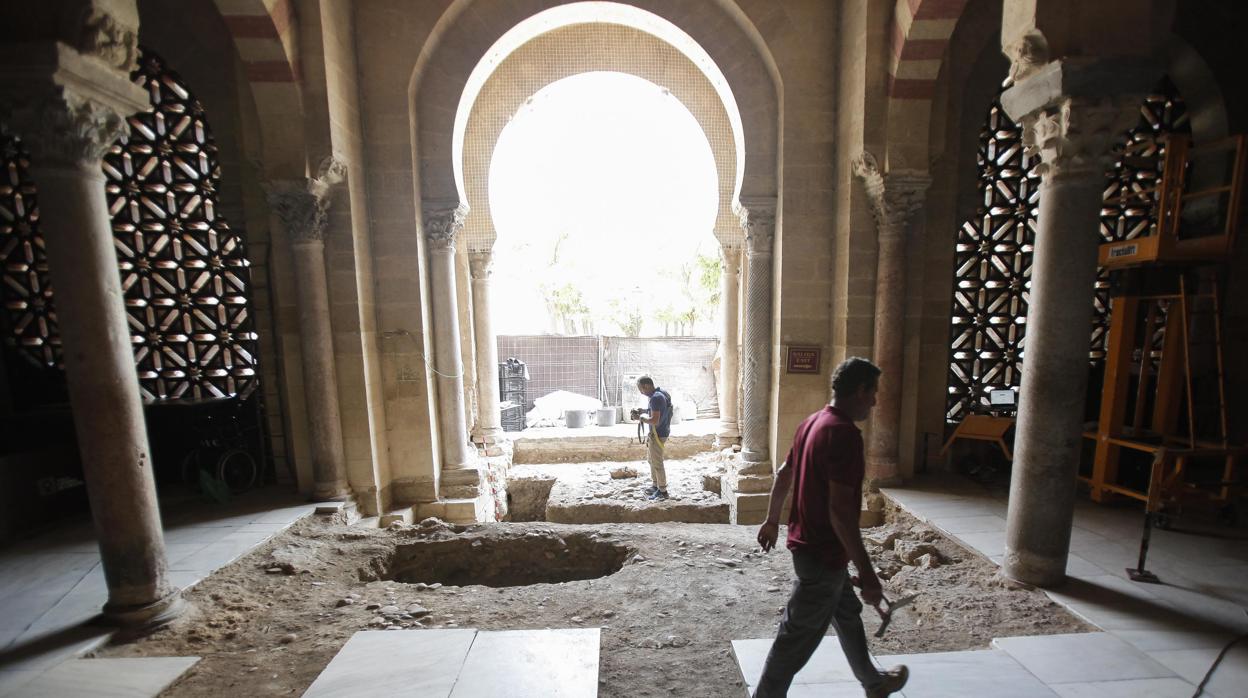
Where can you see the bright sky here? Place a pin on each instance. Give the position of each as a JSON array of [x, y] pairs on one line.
[[621, 170]]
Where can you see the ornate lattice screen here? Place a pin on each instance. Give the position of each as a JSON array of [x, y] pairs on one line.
[[183, 270], [992, 269]]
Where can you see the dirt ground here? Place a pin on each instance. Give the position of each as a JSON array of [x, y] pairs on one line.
[[267, 624]]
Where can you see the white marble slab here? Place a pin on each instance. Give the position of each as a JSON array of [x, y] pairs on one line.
[[109, 678], [826, 666], [970, 524], [1134, 688], [531, 664], [1229, 680], [397, 662], [1081, 658], [970, 673]]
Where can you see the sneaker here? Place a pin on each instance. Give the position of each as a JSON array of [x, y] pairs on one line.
[[649, 491], [894, 680], [658, 495]]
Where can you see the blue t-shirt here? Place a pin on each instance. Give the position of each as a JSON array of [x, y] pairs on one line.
[[660, 400]]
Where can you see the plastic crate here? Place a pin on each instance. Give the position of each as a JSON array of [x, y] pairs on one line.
[[520, 397], [507, 385], [513, 368], [513, 418]]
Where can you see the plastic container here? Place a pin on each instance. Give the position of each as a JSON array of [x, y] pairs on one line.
[[576, 419], [607, 416]]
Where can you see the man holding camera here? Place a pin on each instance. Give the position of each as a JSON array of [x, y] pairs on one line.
[[659, 417]]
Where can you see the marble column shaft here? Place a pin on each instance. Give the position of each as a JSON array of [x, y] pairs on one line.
[[69, 108], [895, 198], [442, 224], [302, 208], [1072, 136], [759, 221], [730, 350], [489, 420]]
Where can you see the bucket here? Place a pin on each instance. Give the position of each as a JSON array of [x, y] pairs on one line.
[[576, 419], [606, 416]]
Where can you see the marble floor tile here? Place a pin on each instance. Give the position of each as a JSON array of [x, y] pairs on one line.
[[1134, 688], [1081, 658], [987, 544], [400, 662], [531, 664], [826, 666], [972, 673], [1229, 680], [12, 682], [1149, 640], [109, 678], [969, 524]]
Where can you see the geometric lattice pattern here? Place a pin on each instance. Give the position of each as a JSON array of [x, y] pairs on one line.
[[992, 268], [184, 272]]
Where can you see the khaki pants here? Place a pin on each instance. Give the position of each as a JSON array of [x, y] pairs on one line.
[[655, 456]]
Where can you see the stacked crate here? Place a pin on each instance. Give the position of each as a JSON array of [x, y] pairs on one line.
[[513, 381]]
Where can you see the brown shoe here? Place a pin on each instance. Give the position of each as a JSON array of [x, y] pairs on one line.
[[894, 679]]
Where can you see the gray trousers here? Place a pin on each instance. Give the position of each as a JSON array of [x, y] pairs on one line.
[[822, 596]]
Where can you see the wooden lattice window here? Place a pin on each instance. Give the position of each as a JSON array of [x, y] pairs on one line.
[[184, 272], [992, 269]]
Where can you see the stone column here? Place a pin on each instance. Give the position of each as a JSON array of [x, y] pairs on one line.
[[729, 284], [894, 197], [68, 104], [489, 429], [1072, 135], [302, 209], [748, 483], [442, 224]]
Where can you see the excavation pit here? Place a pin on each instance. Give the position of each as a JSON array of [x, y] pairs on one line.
[[507, 561]]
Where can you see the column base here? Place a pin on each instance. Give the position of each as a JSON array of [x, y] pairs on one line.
[[337, 491], [1034, 570], [747, 489], [148, 616], [466, 495]]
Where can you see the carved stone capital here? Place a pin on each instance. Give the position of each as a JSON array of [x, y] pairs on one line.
[[303, 205], [96, 31], [894, 196], [1073, 137], [758, 220], [1028, 54], [480, 265], [442, 223], [68, 107], [730, 258], [65, 129]]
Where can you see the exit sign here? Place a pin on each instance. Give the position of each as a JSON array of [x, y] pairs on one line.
[[804, 359]]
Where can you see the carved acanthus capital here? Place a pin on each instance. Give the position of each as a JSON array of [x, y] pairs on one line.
[[480, 265], [95, 31], [1028, 54], [1073, 137], [303, 205], [758, 220], [894, 196], [63, 128], [442, 223], [730, 258]]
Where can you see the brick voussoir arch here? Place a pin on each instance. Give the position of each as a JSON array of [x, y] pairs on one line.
[[265, 35], [919, 36], [469, 28]]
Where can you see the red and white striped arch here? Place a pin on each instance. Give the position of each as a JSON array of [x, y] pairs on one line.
[[920, 34], [265, 34]]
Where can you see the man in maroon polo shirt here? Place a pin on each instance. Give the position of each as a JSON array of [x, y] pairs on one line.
[[825, 468]]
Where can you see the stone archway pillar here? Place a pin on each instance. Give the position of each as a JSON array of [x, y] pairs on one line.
[[302, 209], [729, 361], [489, 430], [462, 487], [69, 107], [895, 197], [1070, 122], [747, 486]]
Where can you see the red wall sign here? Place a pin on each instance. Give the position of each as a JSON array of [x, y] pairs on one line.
[[804, 359]]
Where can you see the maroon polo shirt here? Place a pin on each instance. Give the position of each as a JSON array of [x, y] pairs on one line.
[[827, 448]]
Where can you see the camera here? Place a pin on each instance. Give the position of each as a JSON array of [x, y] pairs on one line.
[[635, 414]]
